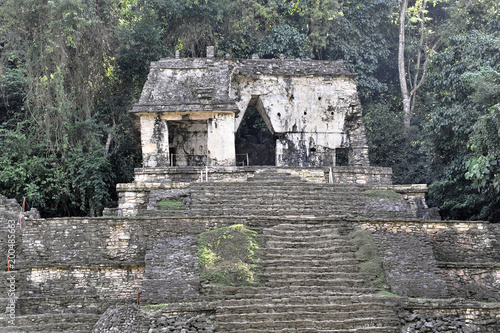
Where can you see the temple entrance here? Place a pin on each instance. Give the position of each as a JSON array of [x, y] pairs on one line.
[[341, 157], [187, 143], [255, 140]]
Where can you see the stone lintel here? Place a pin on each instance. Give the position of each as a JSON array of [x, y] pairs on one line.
[[159, 108]]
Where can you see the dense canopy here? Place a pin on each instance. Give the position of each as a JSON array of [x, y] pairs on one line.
[[429, 79]]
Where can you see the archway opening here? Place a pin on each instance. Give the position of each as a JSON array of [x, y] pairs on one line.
[[254, 142]]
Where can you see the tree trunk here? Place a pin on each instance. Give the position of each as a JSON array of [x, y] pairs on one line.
[[401, 67]]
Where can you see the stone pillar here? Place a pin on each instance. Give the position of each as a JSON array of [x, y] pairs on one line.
[[220, 139], [358, 148], [154, 141], [210, 51]]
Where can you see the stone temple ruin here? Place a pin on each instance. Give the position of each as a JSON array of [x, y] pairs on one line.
[[136, 269], [190, 110]]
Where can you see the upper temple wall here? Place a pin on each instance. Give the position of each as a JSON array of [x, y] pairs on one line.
[[193, 84]]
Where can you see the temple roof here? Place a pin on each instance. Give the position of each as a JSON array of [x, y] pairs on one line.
[[202, 84]]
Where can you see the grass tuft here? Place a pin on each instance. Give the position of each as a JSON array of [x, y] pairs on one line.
[[383, 194], [172, 204]]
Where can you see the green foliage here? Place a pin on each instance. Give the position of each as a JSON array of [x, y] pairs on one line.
[[363, 37], [71, 183], [386, 293], [61, 136], [173, 204], [392, 148], [383, 194], [12, 93], [284, 39], [463, 128], [227, 256], [484, 166], [70, 69], [370, 262]]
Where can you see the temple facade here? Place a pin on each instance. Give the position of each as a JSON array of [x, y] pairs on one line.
[[191, 108]]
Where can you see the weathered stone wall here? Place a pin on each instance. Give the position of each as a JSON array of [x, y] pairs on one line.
[[171, 273], [308, 112], [420, 315], [62, 249], [135, 197], [466, 253], [345, 175], [409, 265], [478, 281], [73, 264], [94, 263], [182, 318], [472, 242]]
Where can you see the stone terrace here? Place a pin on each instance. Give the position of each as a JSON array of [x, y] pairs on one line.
[[269, 192], [73, 269]]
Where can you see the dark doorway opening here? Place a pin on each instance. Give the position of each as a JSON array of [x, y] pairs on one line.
[[255, 139], [341, 157]]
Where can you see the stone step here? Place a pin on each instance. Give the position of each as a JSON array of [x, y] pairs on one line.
[[261, 219], [299, 265], [278, 185], [278, 211], [319, 244], [337, 198], [305, 254], [306, 236], [278, 269], [93, 304], [326, 282], [312, 284], [276, 178], [368, 329], [273, 201], [305, 199], [313, 228], [270, 195], [282, 212], [240, 326], [302, 291], [290, 303], [45, 329], [293, 275], [305, 312]]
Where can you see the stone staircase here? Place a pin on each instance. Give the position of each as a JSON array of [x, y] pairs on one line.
[[311, 284], [277, 199], [278, 193], [289, 198]]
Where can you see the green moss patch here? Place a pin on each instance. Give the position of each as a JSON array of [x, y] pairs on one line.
[[383, 194], [172, 204], [386, 293], [227, 256], [370, 263]]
